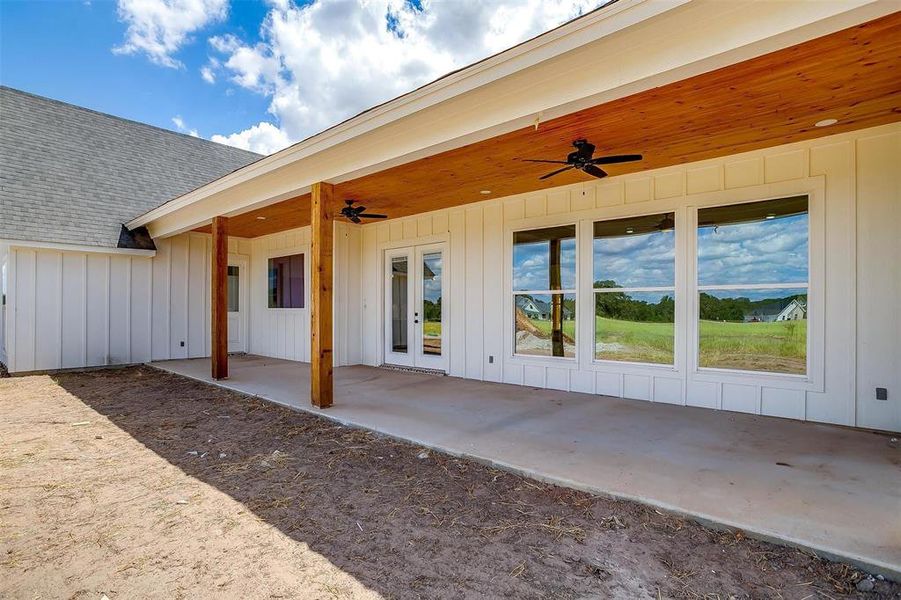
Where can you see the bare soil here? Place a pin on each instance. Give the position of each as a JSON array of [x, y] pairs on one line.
[[134, 483]]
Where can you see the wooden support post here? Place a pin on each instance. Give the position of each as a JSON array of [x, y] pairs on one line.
[[557, 346], [322, 249], [219, 298]]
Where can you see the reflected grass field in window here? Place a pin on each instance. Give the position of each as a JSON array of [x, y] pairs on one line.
[[633, 341], [777, 347]]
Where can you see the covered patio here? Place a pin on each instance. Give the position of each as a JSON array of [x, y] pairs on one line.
[[829, 489]]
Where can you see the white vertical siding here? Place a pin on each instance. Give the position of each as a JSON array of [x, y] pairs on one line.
[[859, 177], [68, 309], [78, 309]]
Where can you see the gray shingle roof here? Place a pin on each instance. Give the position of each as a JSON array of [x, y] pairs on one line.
[[72, 175]]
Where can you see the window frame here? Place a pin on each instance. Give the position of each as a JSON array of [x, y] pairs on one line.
[[279, 253], [510, 312], [793, 285], [616, 374], [674, 289], [814, 379]]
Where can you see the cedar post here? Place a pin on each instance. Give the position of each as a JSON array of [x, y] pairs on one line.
[[557, 348], [219, 298], [321, 384]]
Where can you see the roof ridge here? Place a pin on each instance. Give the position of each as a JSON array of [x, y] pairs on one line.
[[124, 119]]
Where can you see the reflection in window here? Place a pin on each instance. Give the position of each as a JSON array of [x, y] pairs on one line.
[[544, 282], [431, 303], [634, 289], [232, 284], [752, 286], [286, 281], [399, 312]]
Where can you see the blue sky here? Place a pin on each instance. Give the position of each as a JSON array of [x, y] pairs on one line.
[[258, 75]]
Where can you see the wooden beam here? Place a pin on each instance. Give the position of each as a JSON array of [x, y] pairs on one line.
[[322, 249], [219, 299]]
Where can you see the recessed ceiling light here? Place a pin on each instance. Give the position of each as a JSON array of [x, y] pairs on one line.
[[485, 192], [771, 216], [825, 123], [261, 218]]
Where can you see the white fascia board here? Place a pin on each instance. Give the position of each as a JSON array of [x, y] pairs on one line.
[[76, 248], [600, 64], [562, 39]]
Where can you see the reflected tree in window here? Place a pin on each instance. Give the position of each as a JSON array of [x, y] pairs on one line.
[[753, 286]]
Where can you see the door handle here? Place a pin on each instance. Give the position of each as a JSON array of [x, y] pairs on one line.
[[416, 320]]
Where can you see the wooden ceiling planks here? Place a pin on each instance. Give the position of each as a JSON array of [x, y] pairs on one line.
[[853, 75]]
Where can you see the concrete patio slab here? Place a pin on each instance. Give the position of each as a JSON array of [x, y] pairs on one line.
[[833, 490]]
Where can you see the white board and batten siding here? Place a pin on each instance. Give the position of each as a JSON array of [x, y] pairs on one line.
[[72, 309], [85, 309], [855, 220]]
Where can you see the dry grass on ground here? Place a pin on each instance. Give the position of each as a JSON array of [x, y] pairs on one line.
[[135, 483]]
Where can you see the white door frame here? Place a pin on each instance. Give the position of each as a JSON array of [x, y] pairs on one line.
[[243, 264], [415, 355]]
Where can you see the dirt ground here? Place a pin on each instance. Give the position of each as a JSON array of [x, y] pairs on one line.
[[135, 483]]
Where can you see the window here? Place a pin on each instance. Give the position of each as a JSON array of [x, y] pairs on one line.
[[232, 281], [544, 291], [286, 281], [634, 289], [752, 286]]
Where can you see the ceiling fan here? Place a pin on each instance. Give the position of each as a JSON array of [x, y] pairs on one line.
[[581, 158], [355, 213]]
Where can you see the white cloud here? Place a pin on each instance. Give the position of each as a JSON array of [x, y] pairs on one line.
[[264, 138], [323, 62], [208, 71], [158, 28], [182, 128]]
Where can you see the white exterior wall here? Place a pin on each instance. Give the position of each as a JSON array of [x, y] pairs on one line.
[[855, 218], [71, 309]]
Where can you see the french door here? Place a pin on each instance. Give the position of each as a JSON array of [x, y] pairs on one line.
[[415, 317], [237, 304]]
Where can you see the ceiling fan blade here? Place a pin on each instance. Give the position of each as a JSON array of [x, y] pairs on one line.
[[557, 172], [354, 219], [593, 170], [359, 209], [538, 160], [612, 160], [372, 216]]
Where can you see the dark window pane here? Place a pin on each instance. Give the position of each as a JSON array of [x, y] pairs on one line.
[[545, 259], [286, 286], [635, 252], [545, 324], [753, 243], [399, 306], [754, 330], [233, 291], [636, 327]]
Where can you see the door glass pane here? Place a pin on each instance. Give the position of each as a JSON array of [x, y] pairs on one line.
[[233, 289], [431, 303], [399, 304]]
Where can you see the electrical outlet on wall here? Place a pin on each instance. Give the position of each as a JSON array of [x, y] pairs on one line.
[[881, 393]]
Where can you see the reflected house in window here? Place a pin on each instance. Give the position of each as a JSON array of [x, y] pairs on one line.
[[795, 309], [537, 310]]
